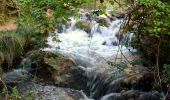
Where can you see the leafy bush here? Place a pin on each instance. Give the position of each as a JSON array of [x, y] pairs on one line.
[[152, 17], [44, 14], [150, 21]]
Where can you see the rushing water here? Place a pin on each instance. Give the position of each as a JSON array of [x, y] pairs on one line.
[[103, 41], [93, 49]]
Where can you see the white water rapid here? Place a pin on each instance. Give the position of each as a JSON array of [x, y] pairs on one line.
[[93, 48], [101, 41]]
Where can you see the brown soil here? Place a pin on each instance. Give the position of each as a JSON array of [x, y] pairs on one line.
[[8, 26]]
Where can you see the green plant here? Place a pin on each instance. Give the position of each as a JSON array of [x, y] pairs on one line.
[[44, 14], [12, 44], [154, 21], [103, 22], [149, 20], [122, 65], [82, 25], [14, 94], [30, 98]]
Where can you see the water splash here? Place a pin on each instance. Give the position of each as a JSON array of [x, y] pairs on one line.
[[76, 41], [92, 50]]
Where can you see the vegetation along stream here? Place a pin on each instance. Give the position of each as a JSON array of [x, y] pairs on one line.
[[84, 50]]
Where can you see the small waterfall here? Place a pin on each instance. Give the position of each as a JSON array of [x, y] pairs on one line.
[[91, 52], [71, 25]]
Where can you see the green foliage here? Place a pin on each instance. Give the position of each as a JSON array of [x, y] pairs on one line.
[[122, 65], [38, 43], [82, 25], [150, 21], [103, 22], [152, 16], [89, 4], [44, 14], [15, 94], [12, 44]]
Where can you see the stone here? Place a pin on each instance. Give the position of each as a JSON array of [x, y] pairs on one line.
[[103, 22], [150, 96], [121, 15], [57, 68], [16, 76], [132, 95], [84, 25], [39, 91]]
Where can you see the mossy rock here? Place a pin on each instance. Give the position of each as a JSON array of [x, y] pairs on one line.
[[83, 25], [52, 61], [103, 22], [54, 67]]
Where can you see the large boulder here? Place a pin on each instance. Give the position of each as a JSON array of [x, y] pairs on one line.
[[34, 91], [56, 68]]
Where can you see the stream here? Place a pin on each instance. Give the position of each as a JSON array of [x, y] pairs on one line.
[[90, 45], [92, 49]]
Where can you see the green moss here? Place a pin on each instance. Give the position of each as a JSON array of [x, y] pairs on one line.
[[82, 25], [103, 22]]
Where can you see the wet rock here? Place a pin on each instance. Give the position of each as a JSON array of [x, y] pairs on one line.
[[150, 96], [113, 96], [59, 28], [68, 25], [103, 22], [132, 95], [16, 76], [47, 92], [133, 77], [118, 14], [121, 15], [88, 16], [84, 25], [112, 18], [53, 67]]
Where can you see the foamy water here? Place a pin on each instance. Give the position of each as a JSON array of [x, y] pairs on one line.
[[102, 44]]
